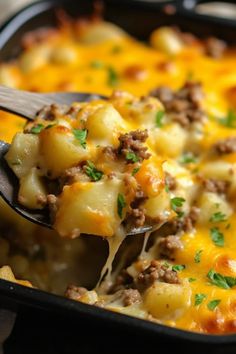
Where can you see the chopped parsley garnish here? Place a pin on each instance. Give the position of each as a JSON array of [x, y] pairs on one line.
[[92, 172], [218, 217], [97, 64], [50, 126], [213, 304], [197, 257], [191, 280], [199, 299], [217, 237], [229, 120], [167, 189], [81, 135], [159, 118], [177, 203], [132, 157], [190, 75], [121, 204], [135, 170], [37, 129], [220, 280], [187, 157], [116, 49], [112, 77], [178, 267], [166, 264]]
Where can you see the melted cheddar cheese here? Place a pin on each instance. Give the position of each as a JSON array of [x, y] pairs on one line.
[[101, 57]]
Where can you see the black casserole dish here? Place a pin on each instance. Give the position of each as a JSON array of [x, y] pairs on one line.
[[128, 15]]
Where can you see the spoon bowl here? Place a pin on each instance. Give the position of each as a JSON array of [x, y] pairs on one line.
[[27, 104]]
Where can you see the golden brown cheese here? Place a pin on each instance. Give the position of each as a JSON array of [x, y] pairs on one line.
[[69, 64]]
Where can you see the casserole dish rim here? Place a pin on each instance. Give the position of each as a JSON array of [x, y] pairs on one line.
[[15, 295]]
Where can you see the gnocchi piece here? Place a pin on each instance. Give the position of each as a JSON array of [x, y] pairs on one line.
[[89, 208], [101, 31], [105, 125], [64, 54], [169, 140], [35, 58], [221, 170], [32, 192], [142, 111], [211, 203], [23, 153], [167, 301], [59, 141], [166, 40], [158, 206]]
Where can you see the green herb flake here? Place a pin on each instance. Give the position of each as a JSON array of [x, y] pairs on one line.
[[177, 202], [97, 64], [199, 299], [220, 280], [132, 157], [178, 267], [213, 304], [116, 49], [37, 129], [217, 237], [159, 118], [81, 135], [191, 280], [113, 78], [197, 257], [187, 157], [229, 120], [167, 189], [92, 172], [121, 204], [190, 75], [135, 170], [50, 126], [218, 217]]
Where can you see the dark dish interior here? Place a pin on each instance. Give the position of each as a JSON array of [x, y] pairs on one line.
[[129, 16]]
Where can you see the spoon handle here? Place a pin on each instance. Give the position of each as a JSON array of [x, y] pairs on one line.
[[23, 103]]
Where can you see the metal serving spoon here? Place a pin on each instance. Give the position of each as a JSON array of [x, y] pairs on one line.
[[27, 104]]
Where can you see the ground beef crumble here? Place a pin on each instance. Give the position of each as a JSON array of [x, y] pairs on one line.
[[52, 112], [75, 292], [136, 214], [168, 245], [72, 175], [132, 143], [52, 205], [186, 223], [131, 296], [110, 153], [214, 47], [226, 146], [183, 106], [157, 271], [215, 186], [170, 181]]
